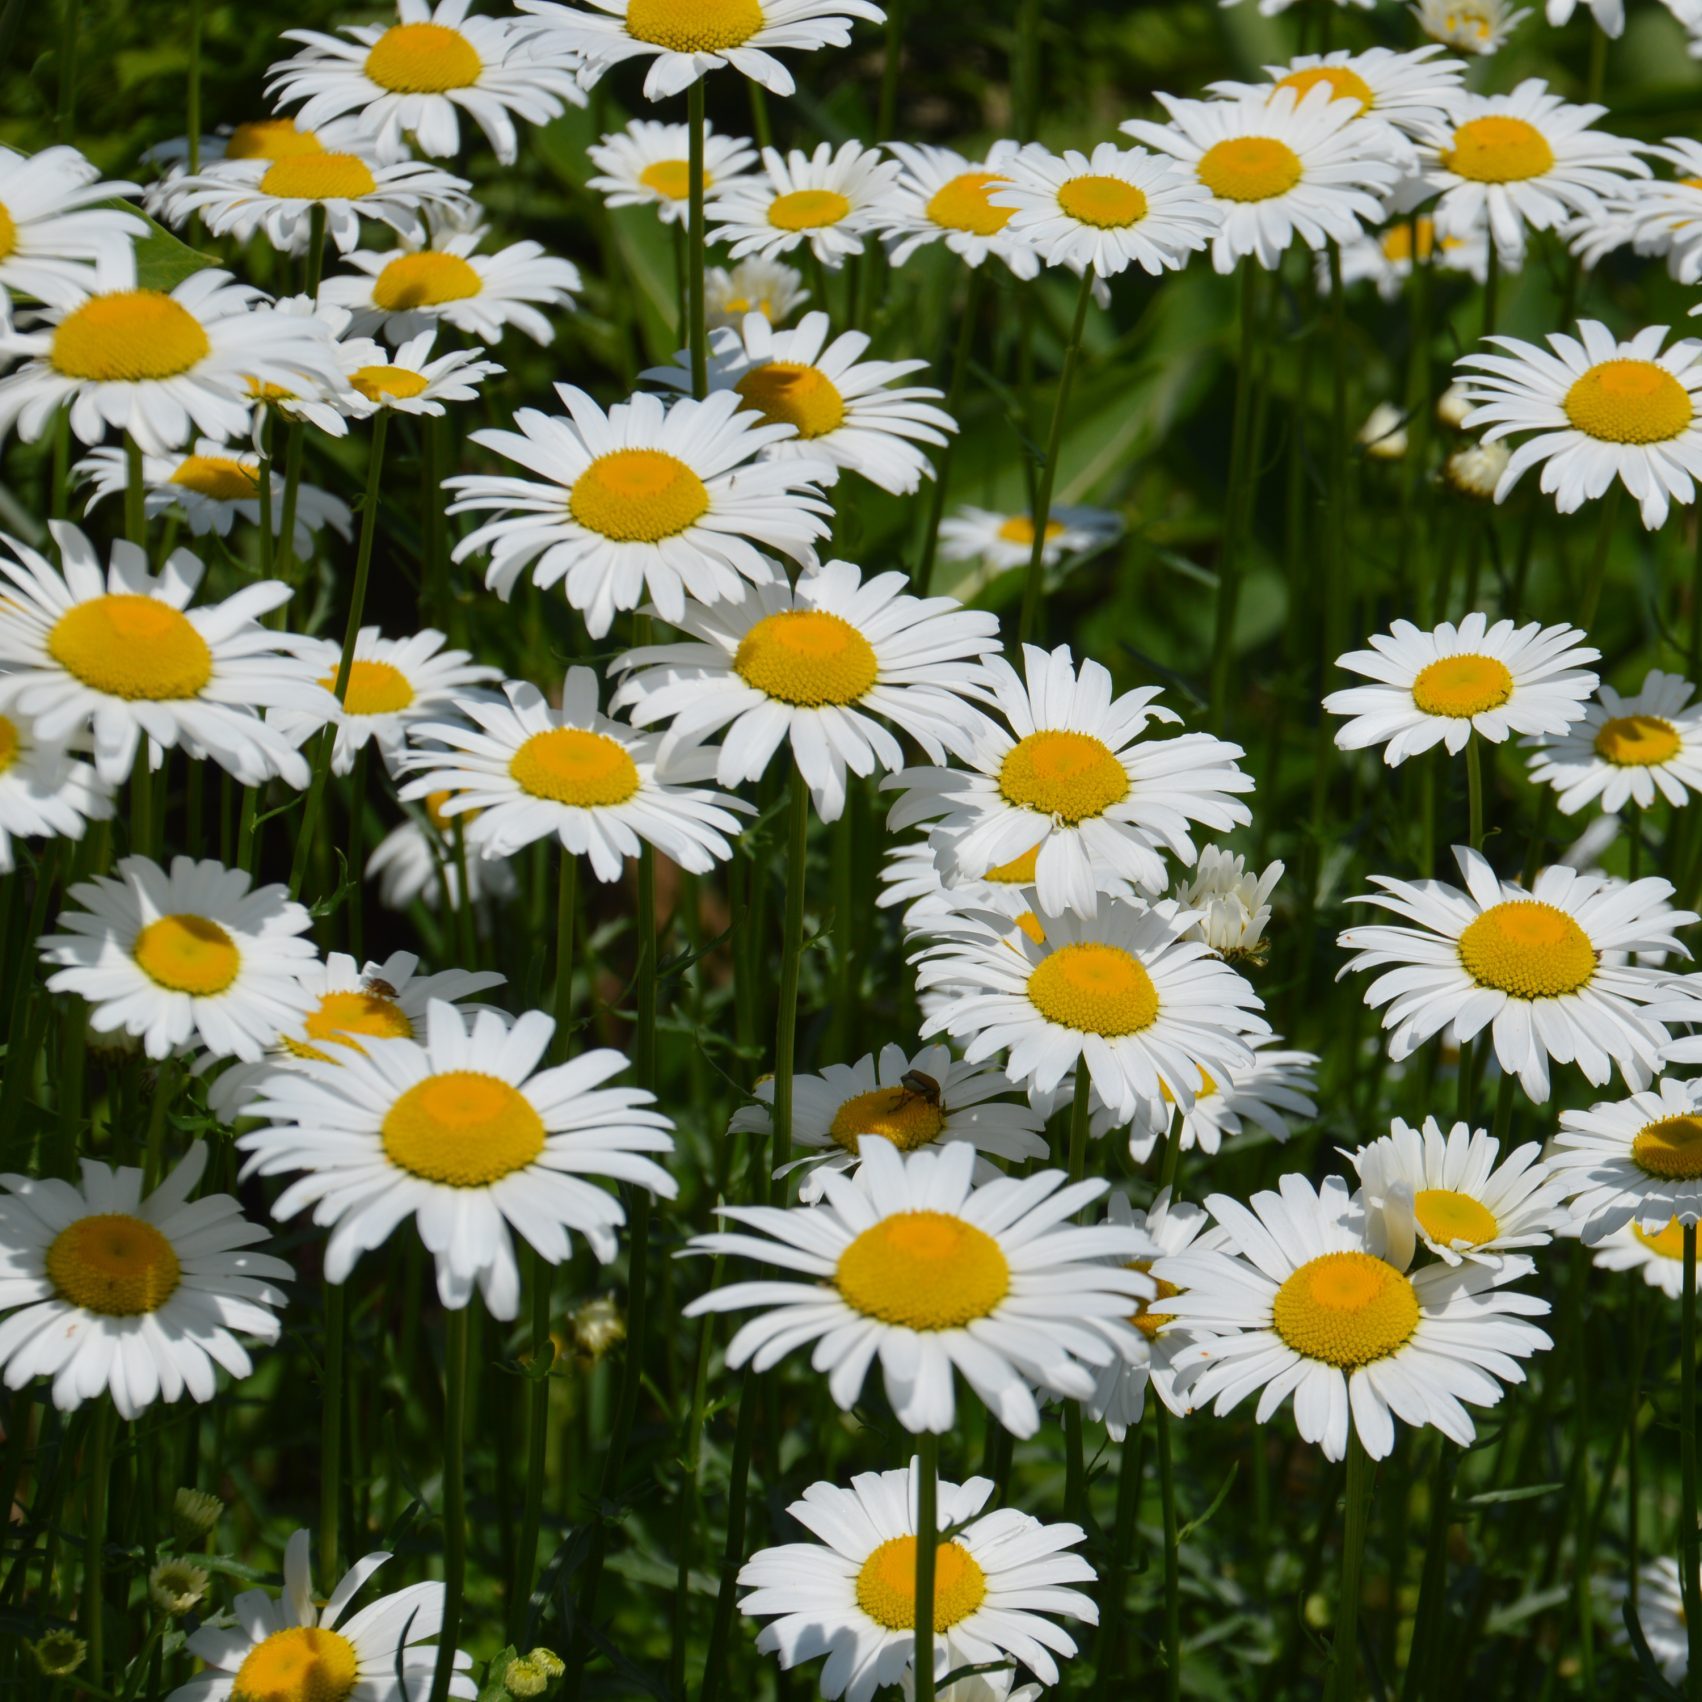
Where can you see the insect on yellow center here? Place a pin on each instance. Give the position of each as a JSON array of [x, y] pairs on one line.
[[188, 954], [1668, 1242], [302, 1664], [1462, 686], [423, 59], [1498, 149], [886, 1584], [1106, 203], [907, 1119], [808, 209], [1346, 1309], [1449, 1217], [1396, 241], [132, 647], [1528, 949], [113, 1264], [318, 177], [376, 383], [1072, 776], [424, 280], [339, 1017], [1249, 168], [1019, 529], [1208, 1086], [638, 496], [803, 397], [221, 478], [1019, 871], [807, 657], [9, 743], [1147, 1321], [128, 337], [572, 765], [693, 26], [374, 688], [463, 1129], [1671, 1148], [271, 139], [671, 179], [1342, 83], [965, 204], [923, 1270], [1637, 741], [1094, 989], [1629, 401]]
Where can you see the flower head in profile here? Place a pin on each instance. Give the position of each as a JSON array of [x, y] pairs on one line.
[[1657, 1253], [1002, 542], [648, 165], [1477, 27], [410, 381], [1386, 257], [830, 199], [1635, 1160], [769, 287], [942, 196], [1400, 90], [1272, 1094], [47, 791], [422, 860], [56, 221], [1626, 750]]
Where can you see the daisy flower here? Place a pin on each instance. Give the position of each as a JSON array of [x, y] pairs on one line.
[[1072, 777], [56, 222], [191, 952], [1601, 409], [411, 382], [1442, 686], [1448, 1192], [828, 199], [401, 293], [418, 861], [1478, 27], [46, 791], [1385, 257], [1298, 1304], [253, 139], [1278, 167], [119, 652], [1119, 989], [1544, 969], [651, 498], [1658, 1254], [394, 685], [1233, 904], [1006, 541], [941, 195], [463, 1132], [768, 287], [329, 400], [844, 411], [813, 665], [1106, 211], [411, 82], [1525, 160], [1273, 1093], [687, 39], [159, 366], [1660, 1616], [1666, 212], [915, 1100], [113, 1291], [1402, 90], [1475, 471], [210, 489], [851, 1595], [528, 772], [906, 1259], [1626, 750], [649, 165], [291, 1645], [1637, 1159]]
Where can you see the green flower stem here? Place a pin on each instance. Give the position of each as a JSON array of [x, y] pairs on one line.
[[1108, 1649], [1606, 524], [1239, 502], [1173, 1651], [927, 1534], [65, 115], [567, 902], [192, 94], [698, 324], [331, 1427], [1689, 1584], [733, 1551], [1433, 1580], [135, 494], [94, 1535], [537, 1439], [966, 326], [1344, 1660], [1075, 1469], [455, 1333], [791, 953], [1474, 792], [1491, 289], [356, 852]]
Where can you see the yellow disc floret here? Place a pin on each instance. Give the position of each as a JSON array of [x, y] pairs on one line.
[[803, 397], [301, 1664], [424, 280], [10, 742], [1106, 203], [113, 1264], [1396, 241], [1343, 84], [1462, 686], [220, 478], [693, 26], [1447, 1216], [374, 688], [1528, 949], [1019, 871], [423, 59], [964, 204], [1094, 989], [1629, 401], [318, 177], [1071, 776], [1637, 741], [1346, 1309], [907, 1119], [463, 1129], [188, 954], [270, 139], [807, 657], [128, 337], [886, 1584], [1670, 1149], [1148, 1322], [638, 496], [1249, 168], [671, 179], [923, 1270], [1667, 1242], [572, 765], [1498, 149], [132, 647], [1019, 529], [377, 382], [340, 1016], [808, 209]]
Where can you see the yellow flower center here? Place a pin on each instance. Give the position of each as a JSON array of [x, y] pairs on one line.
[[1072, 776], [1019, 871], [127, 337], [462, 1128], [923, 1270], [1671, 1148], [1019, 529], [1529, 949], [1106, 203], [374, 688], [1498, 149], [1148, 1322], [1249, 168], [434, 803], [8, 233], [1343, 84], [377, 382], [803, 397], [132, 647], [113, 1264], [424, 280], [302, 1664], [1629, 401], [1029, 923], [1094, 989], [693, 26], [1208, 1086], [638, 496], [1447, 1216], [1637, 741], [423, 59], [220, 477], [572, 765], [1397, 241], [907, 1119], [271, 139], [886, 1584], [1462, 686], [964, 204], [807, 657], [671, 179], [318, 177], [1668, 1242], [339, 1017], [1346, 1309], [808, 209], [9, 743], [188, 954]]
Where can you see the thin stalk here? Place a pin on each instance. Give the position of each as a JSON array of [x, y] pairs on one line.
[[1690, 1586], [1344, 1660], [1433, 1581], [313, 269], [537, 1438], [135, 493], [966, 326], [455, 1332], [1108, 1650], [567, 899], [94, 1536], [1474, 792], [192, 95], [1173, 1651], [1605, 526], [886, 114], [733, 1550], [1239, 502], [694, 267], [1075, 1470], [791, 953], [1491, 288], [927, 1533], [331, 1426]]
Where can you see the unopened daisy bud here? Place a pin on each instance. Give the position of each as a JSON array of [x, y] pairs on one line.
[[1452, 406], [1476, 471], [174, 1587], [1383, 436], [58, 1653], [194, 1513], [597, 1326], [548, 1662], [522, 1678], [1234, 904]]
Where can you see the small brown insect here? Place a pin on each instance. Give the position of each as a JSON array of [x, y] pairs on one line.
[[918, 1084], [379, 988]]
